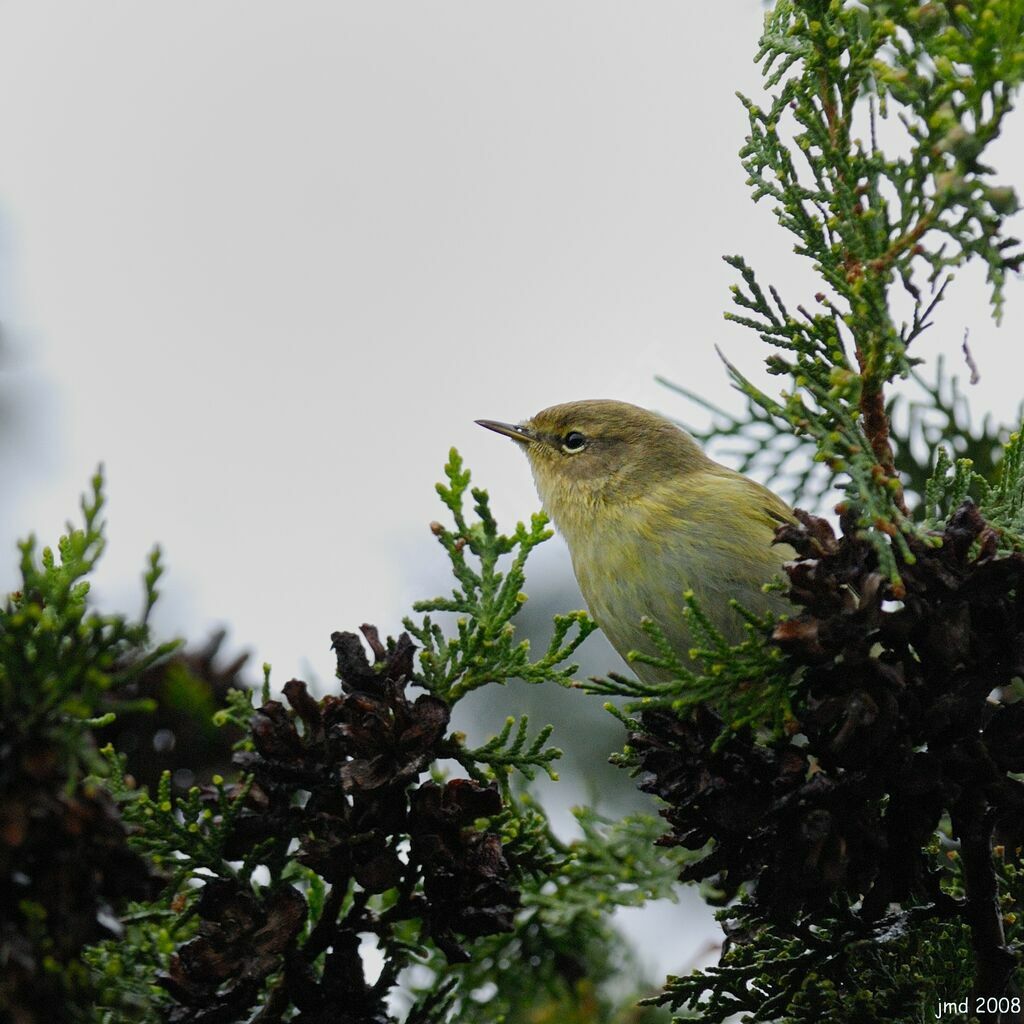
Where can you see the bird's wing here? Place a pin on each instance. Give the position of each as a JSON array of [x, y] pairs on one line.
[[775, 509]]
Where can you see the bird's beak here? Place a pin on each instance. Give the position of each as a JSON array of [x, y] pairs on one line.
[[509, 430]]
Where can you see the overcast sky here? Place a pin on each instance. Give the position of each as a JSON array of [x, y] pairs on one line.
[[268, 261]]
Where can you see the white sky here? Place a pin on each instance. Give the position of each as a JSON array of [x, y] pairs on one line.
[[268, 261]]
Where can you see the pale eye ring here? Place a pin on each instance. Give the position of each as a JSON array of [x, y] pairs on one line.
[[573, 442]]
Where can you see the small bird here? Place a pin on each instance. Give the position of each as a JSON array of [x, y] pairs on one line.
[[647, 517]]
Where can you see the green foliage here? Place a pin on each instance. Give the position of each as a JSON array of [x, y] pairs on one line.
[[870, 218], [579, 967], [66, 867], [949, 73], [748, 684], [924, 416], [1001, 502], [510, 749], [486, 599], [238, 712], [60, 658], [124, 969], [184, 836]]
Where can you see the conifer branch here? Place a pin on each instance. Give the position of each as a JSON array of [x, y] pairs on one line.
[[486, 600], [867, 218]]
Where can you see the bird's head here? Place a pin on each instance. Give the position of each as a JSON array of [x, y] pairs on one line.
[[600, 452]]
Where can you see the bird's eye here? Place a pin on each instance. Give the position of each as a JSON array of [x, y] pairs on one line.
[[574, 441]]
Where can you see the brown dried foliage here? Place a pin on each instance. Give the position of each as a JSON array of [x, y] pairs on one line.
[[336, 785], [905, 715]]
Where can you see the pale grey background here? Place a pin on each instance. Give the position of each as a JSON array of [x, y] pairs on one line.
[[268, 261]]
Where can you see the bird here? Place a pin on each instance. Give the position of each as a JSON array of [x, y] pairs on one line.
[[649, 517]]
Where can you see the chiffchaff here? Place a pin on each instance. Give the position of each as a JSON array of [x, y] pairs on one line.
[[648, 516]]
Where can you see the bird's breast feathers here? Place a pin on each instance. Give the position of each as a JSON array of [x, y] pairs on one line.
[[638, 558]]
